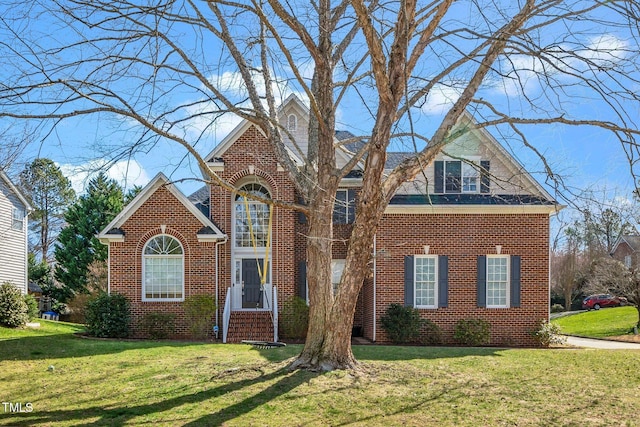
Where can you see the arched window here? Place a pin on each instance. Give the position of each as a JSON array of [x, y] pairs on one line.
[[162, 269], [292, 122], [259, 215]]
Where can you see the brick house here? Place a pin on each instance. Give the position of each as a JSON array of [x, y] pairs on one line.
[[627, 250], [468, 238]]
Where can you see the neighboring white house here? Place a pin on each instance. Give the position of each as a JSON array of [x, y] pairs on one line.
[[14, 214]]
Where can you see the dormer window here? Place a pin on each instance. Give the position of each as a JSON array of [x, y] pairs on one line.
[[292, 122]]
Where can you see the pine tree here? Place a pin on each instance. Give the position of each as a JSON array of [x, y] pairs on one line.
[[49, 192], [77, 245]]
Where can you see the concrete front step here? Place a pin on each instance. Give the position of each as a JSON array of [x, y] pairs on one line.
[[250, 325]]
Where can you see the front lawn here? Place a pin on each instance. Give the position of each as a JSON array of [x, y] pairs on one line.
[[71, 381], [606, 322]]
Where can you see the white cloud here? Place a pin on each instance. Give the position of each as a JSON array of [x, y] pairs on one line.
[[127, 173], [440, 99], [605, 51]]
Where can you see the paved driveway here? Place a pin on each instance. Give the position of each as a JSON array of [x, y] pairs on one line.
[[592, 343]]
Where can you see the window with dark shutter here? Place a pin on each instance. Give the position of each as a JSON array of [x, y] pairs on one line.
[[485, 177]]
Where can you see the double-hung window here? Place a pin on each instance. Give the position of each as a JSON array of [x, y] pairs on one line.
[[425, 281], [499, 281], [344, 207], [461, 177], [18, 219], [470, 175]]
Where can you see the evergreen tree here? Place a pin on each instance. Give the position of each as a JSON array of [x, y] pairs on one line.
[[49, 192], [77, 246]]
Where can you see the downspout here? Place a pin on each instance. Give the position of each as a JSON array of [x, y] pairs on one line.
[[375, 257], [216, 326]]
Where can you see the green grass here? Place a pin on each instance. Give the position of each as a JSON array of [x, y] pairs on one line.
[[607, 322], [123, 383]]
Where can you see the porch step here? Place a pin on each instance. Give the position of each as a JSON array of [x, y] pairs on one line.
[[250, 325]]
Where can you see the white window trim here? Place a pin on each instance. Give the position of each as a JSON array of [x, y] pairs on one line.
[[292, 125], [508, 291], [347, 204], [464, 161], [337, 265], [144, 283], [17, 220], [435, 284]]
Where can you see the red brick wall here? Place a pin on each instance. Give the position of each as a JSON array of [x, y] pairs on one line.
[[252, 149], [162, 208], [463, 237]]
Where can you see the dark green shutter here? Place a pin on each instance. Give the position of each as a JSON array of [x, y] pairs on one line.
[[408, 281], [443, 281], [485, 177], [515, 280], [438, 178], [302, 280], [482, 281]]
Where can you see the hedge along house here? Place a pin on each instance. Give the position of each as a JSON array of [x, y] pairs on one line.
[[468, 238]]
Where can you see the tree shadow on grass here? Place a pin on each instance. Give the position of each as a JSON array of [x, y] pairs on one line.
[[285, 381], [68, 345], [395, 353]]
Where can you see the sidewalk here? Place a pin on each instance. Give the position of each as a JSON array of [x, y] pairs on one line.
[[606, 344]]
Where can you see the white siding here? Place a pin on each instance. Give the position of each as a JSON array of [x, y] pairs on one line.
[[13, 243]]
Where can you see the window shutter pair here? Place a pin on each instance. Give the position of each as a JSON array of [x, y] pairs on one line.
[[443, 281], [439, 178], [515, 290]]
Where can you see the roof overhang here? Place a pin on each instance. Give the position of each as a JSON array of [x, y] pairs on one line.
[[473, 209]]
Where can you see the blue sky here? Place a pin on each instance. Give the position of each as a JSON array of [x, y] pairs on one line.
[[585, 157]]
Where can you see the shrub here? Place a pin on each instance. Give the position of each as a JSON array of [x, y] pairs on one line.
[[472, 332], [557, 308], [33, 311], [158, 325], [548, 333], [77, 306], [13, 310], [402, 324], [199, 309], [294, 318], [108, 316], [430, 333]]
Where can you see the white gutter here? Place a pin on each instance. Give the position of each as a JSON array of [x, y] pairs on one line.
[[222, 242], [375, 257]]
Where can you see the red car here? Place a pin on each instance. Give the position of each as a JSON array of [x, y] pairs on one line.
[[598, 301]]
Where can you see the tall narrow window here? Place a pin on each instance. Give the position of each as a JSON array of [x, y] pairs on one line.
[[292, 122], [18, 219], [497, 281], [163, 269], [426, 281], [255, 219]]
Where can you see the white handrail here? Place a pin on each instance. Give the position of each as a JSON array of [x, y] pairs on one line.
[[226, 315], [275, 314]]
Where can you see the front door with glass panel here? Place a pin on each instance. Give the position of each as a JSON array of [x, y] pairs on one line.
[[252, 295]]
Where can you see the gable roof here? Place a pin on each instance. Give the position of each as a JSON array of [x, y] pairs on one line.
[[15, 190], [112, 232], [633, 241]]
